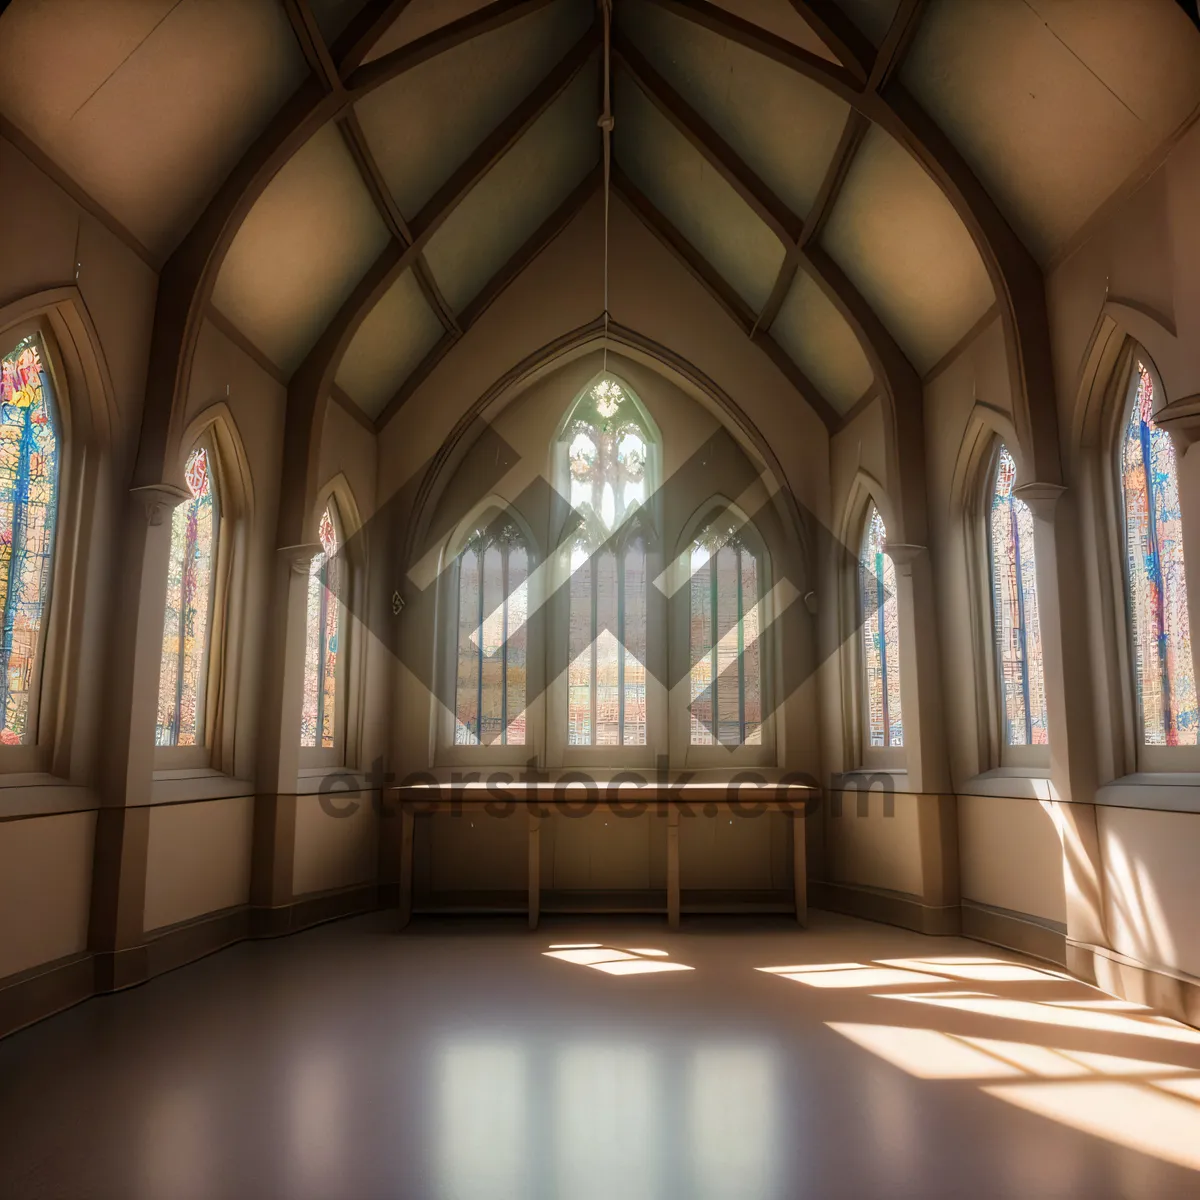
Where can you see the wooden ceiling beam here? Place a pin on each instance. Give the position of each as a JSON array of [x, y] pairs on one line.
[[900, 34], [315, 375], [545, 233], [368, 76], [188, 276], [364, 29], [853, 133], [838, 78], [696, 263], [360, 150], [312, 43], [840, 34], [493, 147], [1013, 271], [766, 205], [729, 300]]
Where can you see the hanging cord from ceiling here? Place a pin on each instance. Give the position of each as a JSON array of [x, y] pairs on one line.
[[606, 125]]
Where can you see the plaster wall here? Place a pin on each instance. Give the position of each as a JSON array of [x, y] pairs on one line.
[[198, 859], [41, 923]]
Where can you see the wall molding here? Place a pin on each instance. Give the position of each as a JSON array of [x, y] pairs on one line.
[[886, 907], [42, 991], [1023, 932], [1173, 993]]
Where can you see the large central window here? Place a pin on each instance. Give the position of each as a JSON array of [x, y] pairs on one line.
[[608, 441]]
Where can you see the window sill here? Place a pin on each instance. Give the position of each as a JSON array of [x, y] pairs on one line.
[[39, 794], [861, 778], [186, 785], [1165, 791], [313, 780], [1015, 783]]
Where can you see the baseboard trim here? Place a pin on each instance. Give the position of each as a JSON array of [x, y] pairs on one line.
[[1022, 932], [889, 908], [604, 900], [45, 990], [1172, 993]]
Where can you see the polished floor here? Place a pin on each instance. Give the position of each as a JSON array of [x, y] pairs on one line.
[[479, 1060]]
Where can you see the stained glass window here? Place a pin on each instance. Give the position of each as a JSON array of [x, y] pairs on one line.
[[881, 636], [1162, 640], [184, 669], [28, 503], [1015, 611], [607, 444], [726, 671], [493, 605], [318, 713]]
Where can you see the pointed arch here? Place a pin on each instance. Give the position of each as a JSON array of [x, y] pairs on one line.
[[1155, 573], [1016, 626], [884, 723]]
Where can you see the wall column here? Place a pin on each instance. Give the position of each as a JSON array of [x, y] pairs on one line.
[[123, 822], [920, 691], [274, 844], [1069, 713]]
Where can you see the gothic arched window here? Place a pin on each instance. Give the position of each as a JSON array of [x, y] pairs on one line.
[[28, 506], [1015, 622], [607, 441], [1157, 587], [491, 676], [183, 675], [881, 636], [726, 582], [318, 715]]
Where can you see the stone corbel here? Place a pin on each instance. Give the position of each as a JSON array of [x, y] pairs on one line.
[[903, 555], [299, 558], [158, 499], [1181, 419], [1042, 498]]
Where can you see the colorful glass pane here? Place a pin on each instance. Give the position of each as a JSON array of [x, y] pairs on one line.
[[318, 712], [183, 672], [1162, 640], [881, 636], [28, 505], [726, 681], [1017, 629], [491, 663], [608, 450]]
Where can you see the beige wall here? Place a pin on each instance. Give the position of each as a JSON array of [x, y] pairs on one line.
[[1152, 886], [875, 850], [334, 851], [1010, 856], [198, 860], [45, 889]]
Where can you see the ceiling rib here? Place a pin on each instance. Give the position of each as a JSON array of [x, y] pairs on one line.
[[313, 378], [554, 224], [187, 278], [365, 28], [770, 208], [312, 43], [853, 133], [721, 292], [1015, 274], [356, 142], [855, 57]]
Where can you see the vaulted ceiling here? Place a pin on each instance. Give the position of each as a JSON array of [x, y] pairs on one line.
[[462, 136]]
